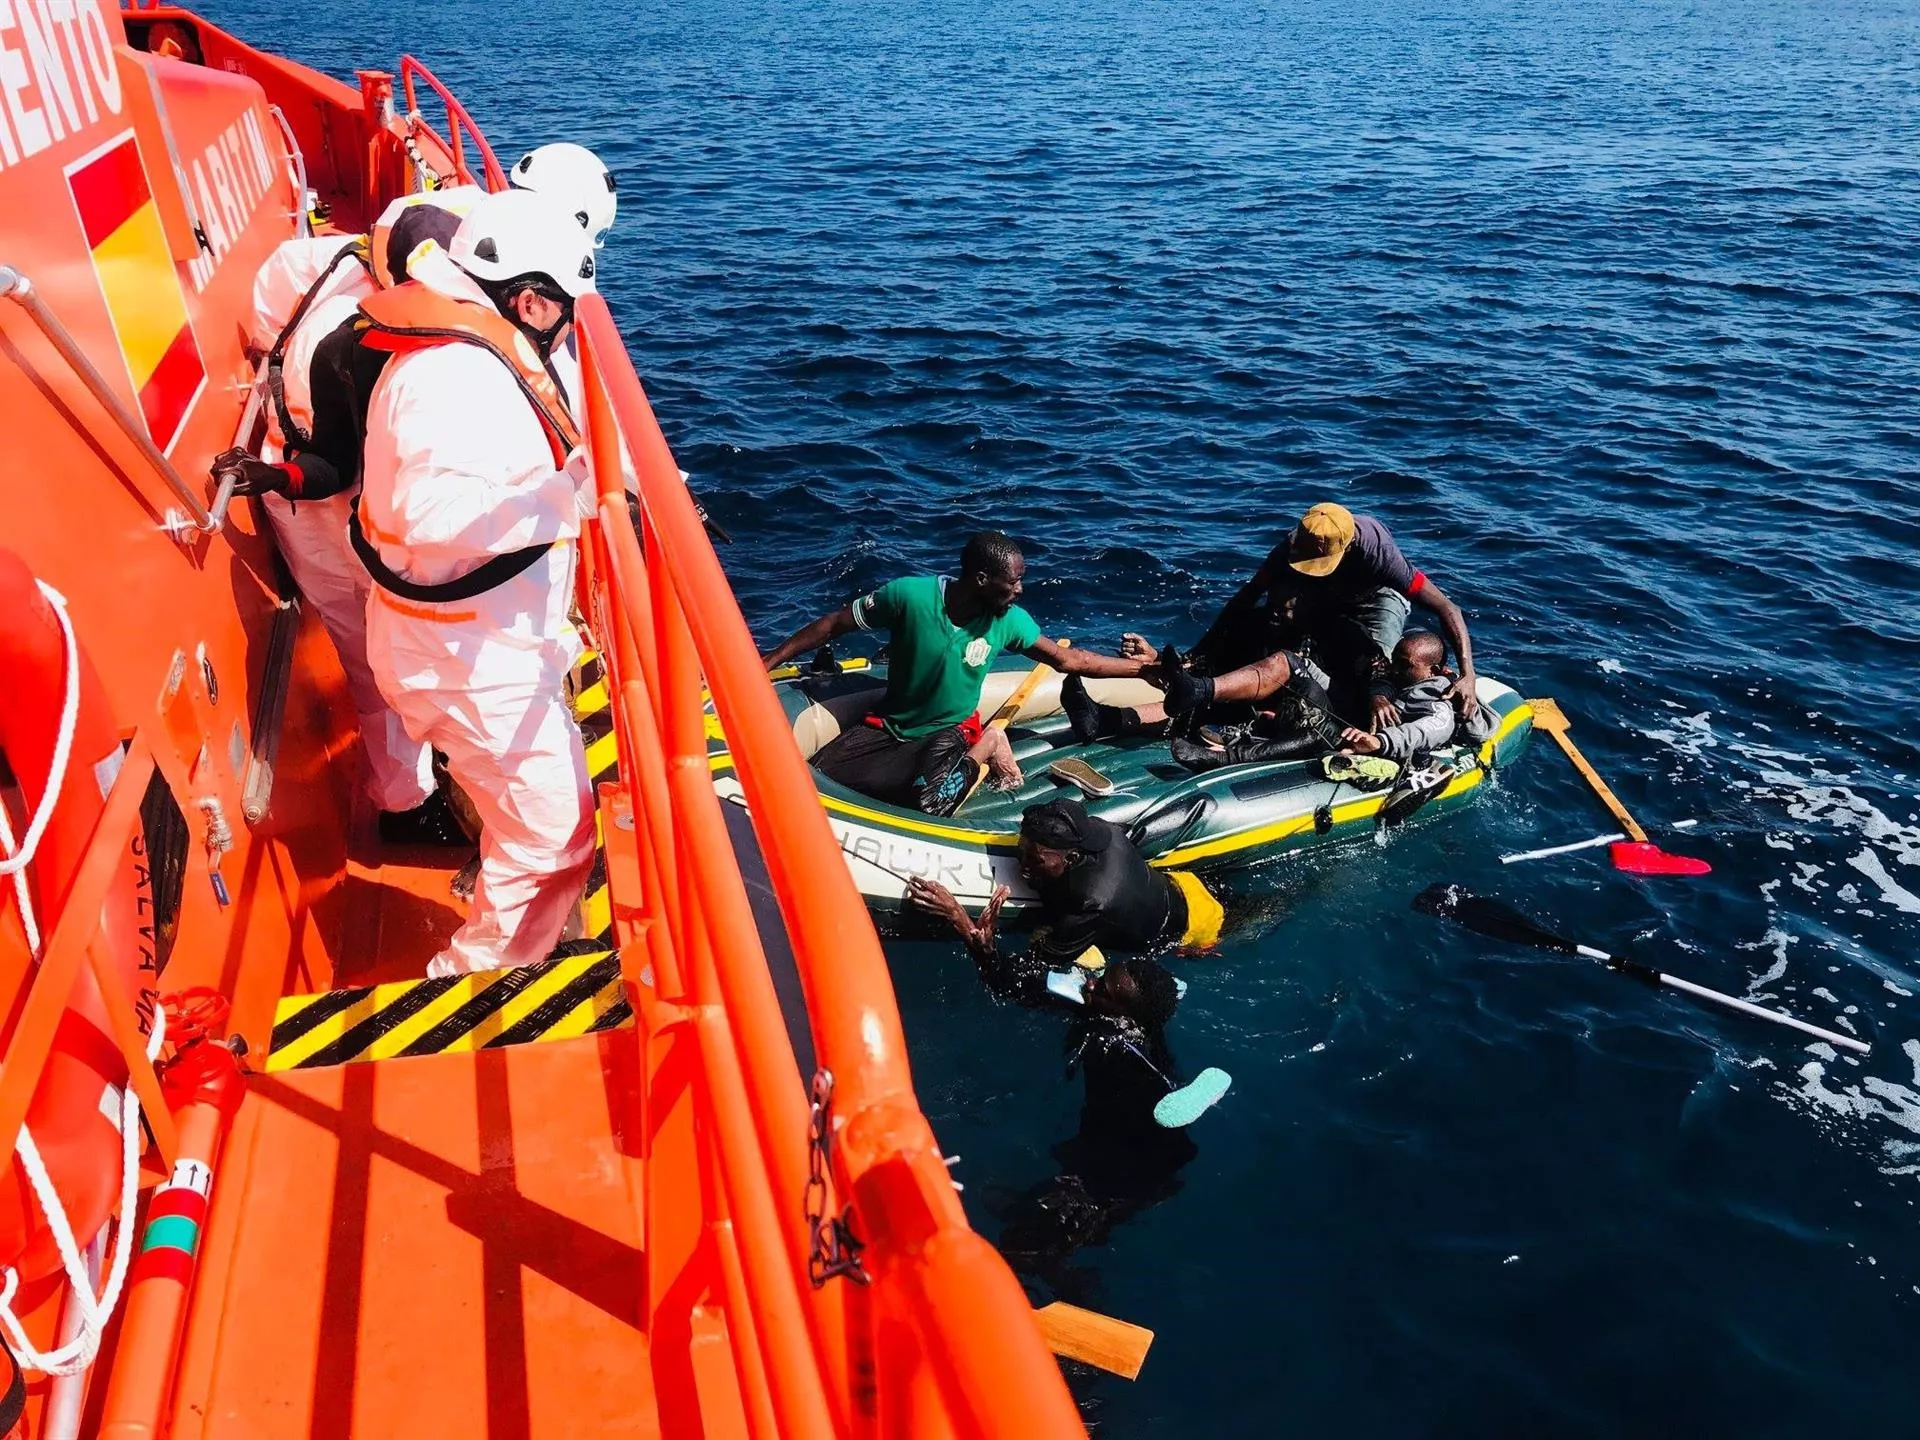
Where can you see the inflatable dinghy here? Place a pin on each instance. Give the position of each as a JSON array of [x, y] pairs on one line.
[[1214, 821]]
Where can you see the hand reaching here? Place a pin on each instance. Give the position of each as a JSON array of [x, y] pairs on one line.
[[1361, 741], [1464, 693], [1384, 712], [251, 475], [933, 898]]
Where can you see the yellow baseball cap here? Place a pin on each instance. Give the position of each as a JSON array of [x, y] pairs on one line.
[[1319, 542]]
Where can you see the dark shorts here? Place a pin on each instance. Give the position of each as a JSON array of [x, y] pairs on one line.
[[930, 774]]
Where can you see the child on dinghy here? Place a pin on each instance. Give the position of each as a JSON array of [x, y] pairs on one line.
[[1421, 693], [1418, 689]]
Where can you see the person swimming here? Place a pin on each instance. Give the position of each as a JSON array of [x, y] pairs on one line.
[[1095, 889], [1097, 893]]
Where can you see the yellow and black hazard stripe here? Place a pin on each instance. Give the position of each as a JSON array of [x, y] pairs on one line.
[[553, 1000], [593, 710]]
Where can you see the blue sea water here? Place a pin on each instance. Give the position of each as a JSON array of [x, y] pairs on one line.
[[1609, 311]]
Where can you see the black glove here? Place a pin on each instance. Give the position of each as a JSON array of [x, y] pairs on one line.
[[252, 475]]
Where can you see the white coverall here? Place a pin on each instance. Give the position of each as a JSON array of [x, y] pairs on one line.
[[313, 533], [457, 469]]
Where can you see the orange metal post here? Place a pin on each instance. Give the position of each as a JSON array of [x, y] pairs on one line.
[[799, 1396], [203, 1085], [67, 945]]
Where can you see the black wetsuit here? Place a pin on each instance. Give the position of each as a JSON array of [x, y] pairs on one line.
[[340, 383], [1110, 898], [1121, 1160]]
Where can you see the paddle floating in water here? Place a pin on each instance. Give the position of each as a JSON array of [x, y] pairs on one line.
[[1633, 852], [1500, 921], [1094, 1339]]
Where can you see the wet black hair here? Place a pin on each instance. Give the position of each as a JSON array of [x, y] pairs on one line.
[[1154, 984], [1063, 824], [991, 552]]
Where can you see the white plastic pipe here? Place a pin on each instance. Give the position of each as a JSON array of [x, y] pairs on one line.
[[1563, 849], [67, 1396]]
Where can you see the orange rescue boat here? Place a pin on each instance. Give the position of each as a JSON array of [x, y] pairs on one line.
[[264, 1180]]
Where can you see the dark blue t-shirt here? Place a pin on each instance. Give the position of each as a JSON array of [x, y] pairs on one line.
[[1372, 562]]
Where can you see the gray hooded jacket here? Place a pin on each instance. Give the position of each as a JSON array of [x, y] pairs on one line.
[[1428, 721]]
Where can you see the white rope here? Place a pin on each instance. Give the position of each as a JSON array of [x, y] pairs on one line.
[[94, 1310], [16, 861]]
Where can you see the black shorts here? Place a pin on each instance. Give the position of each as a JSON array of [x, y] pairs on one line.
[[930, 774]]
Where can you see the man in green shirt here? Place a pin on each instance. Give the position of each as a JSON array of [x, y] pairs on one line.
[[925, 747]]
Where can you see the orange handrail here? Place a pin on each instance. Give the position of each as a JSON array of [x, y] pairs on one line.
[[962, 1353], [70, 942], [457, 120]]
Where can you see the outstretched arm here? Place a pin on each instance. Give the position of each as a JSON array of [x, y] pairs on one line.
[[1083, 662], [1454, 623], [811, 637], [1019, 976]]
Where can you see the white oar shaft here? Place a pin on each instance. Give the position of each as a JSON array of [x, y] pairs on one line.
[[1563, 849], [1760, 1012], [1732, 1002]]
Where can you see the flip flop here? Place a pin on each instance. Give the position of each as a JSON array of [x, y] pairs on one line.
[[1191, 1101]]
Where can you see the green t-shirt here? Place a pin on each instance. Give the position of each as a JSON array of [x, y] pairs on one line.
[[935, 667]]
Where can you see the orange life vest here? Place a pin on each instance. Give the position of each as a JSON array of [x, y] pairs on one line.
[[412, 317]]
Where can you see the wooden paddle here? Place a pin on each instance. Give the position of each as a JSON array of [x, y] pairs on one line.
[[1003, 717], [1094, 1339], [1636, 853]]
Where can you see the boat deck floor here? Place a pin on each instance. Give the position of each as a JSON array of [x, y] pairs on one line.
[[447, 1245]]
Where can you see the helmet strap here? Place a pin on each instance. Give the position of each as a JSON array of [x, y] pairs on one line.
[[503, 293]]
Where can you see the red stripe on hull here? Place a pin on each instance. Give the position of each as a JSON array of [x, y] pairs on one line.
[[170, 390], [108, 189]]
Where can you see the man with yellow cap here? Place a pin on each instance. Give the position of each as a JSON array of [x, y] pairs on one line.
[[1339, 587]]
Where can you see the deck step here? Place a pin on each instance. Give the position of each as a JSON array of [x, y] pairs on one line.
[[553, 1000]]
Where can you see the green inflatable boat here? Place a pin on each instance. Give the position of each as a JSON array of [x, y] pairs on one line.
[[1220, 820]]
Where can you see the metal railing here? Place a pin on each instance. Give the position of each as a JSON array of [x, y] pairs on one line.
[[942, 1341], [200, 518]]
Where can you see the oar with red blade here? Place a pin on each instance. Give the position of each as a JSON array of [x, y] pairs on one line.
[[1637, 855]]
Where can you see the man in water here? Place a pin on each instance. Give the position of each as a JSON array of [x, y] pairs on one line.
[[925, 746], [1096, 892], [1096, 889]]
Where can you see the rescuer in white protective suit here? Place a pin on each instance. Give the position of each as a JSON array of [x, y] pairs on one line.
[[302, 296], [473, 491], [308, 469]]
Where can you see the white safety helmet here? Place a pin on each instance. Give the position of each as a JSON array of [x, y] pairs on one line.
[[515, 235], [573, 176]]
